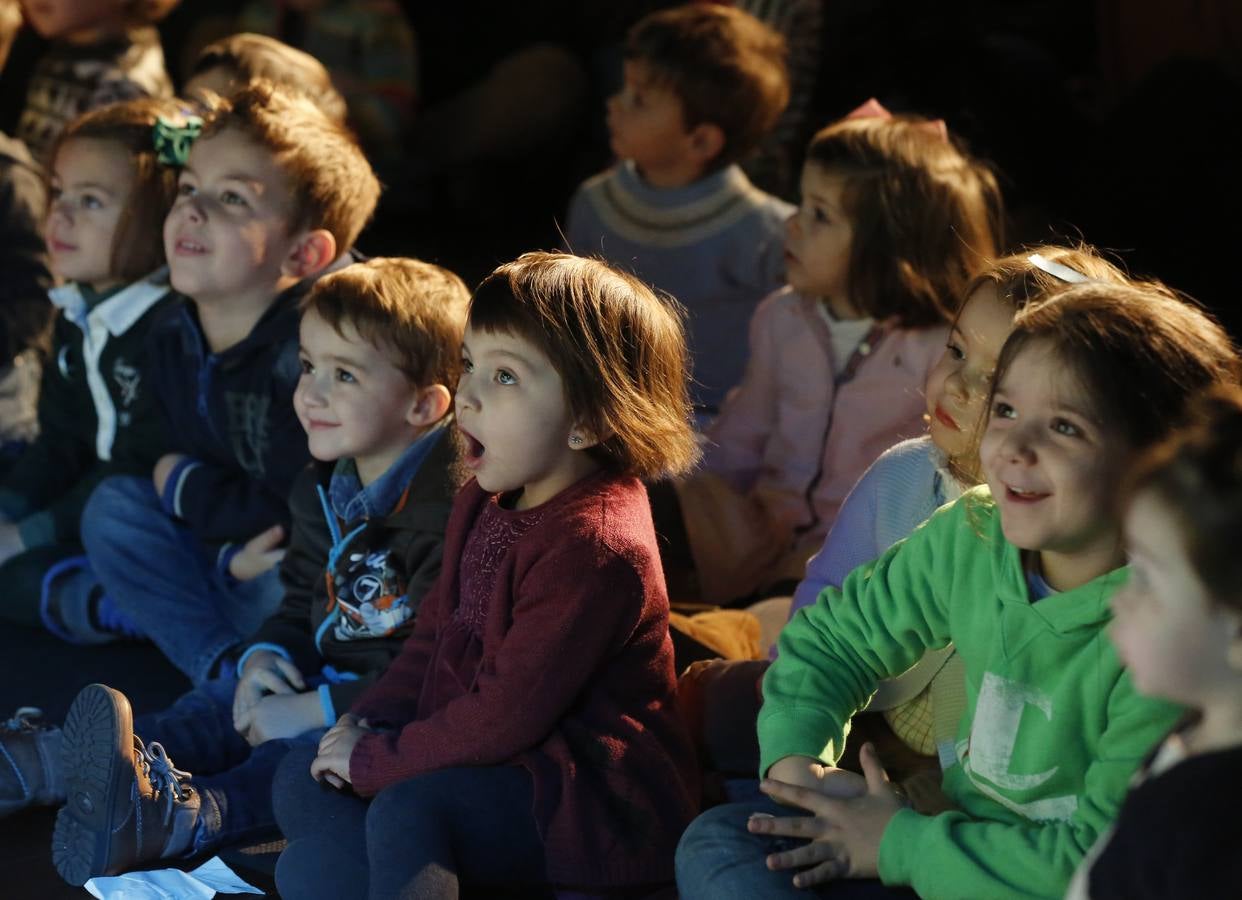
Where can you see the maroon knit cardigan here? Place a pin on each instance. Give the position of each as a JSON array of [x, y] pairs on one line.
[[576, 684]]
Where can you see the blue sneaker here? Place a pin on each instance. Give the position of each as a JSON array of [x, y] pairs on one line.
[[73, 606]]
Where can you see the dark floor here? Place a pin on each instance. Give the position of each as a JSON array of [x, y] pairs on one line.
[[40, 670]]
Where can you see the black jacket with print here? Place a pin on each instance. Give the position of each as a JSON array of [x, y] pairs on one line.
[[56, 474], [411, 540]]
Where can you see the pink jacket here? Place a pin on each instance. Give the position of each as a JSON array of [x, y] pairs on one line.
[[773, 440]]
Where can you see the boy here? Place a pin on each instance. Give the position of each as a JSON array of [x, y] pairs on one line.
[[273, 194], [703, 84], [380, 350]]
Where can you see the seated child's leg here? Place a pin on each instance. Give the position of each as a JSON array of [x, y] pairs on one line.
[[197, 730], [719, 857], [156, 572], [22, 577], [237, 803], [429, 835], [326, 830]]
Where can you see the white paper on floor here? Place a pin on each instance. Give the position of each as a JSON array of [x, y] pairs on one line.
[[206, 881]]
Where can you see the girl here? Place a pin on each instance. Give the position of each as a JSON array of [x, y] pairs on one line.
[[911, 480], [110, 188], [893, 221], [1177, 625], [527, 731], [1017, 574]]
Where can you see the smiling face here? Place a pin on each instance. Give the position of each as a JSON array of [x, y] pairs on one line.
[[1053, 469], [91, 183], [818, 239], [229, 233], [352, 400], [958, 386], [1173, 638], [516, 421]]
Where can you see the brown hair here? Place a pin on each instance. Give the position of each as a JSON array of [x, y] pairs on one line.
[[138, 244], [924, 215], [1197, 473], [413, 311], [1140, 352], [249, 56], [725, 66], [619, 348], [333, 187], [1019, 281]]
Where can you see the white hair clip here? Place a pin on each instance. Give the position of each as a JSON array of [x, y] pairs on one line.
[[1056, 270]]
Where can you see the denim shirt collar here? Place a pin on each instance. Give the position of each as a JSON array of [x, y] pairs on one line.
[[351, 501]]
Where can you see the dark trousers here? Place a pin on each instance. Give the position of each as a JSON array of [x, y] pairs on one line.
[[425, 837]]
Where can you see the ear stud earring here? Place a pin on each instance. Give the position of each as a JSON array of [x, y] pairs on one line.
[[575, 440]]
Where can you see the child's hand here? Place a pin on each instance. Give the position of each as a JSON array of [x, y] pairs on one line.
[[810, 773], [844, 834], [259, 555], [335, 748], [10, 541], [265, 673], [163, 468], [283, 716]]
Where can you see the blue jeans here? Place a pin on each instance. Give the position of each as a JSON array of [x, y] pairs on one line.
[[418, 838], [233, 778], [165, 580], [719, 859]]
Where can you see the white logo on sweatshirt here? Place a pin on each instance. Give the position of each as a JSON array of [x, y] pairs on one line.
[[986, 756]]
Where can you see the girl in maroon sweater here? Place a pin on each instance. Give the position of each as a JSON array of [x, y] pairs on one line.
[[527, 733]]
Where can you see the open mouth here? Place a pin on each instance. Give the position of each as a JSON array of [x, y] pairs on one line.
[[1018, 495], [473, 450], [187, 247], [57, 246]]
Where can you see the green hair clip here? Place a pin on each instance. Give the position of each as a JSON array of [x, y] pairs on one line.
[[172, 140]]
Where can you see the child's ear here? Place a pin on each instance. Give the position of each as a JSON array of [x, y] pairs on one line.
[[706, 142], [430, 406], [313, 252], [582, 437]]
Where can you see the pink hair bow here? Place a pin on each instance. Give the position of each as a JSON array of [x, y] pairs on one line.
[[873, 109]]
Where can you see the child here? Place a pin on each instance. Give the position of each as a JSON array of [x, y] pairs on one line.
[[527, 732], [101, 51], [229, 64], [1177, 625], [370, 49], [1018, 575], [893, 223], [274, 194], [109, 188], [703, 84], [380, 347]]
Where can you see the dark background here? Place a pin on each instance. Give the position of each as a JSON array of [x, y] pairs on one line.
[[1114, 122]]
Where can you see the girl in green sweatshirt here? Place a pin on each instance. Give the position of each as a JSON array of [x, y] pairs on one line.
[[1018, 574]]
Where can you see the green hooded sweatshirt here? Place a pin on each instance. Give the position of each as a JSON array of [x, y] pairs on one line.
[[1053, 727]]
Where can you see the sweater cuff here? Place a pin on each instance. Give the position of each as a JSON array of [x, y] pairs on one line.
[[223, 558], [38, 530], [325, 702], [175, 484], [901, 837], [255, 648], [794, 732]]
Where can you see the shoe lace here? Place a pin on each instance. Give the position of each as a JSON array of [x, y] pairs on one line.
[[25, 719], [166, 779]]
